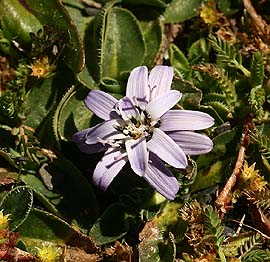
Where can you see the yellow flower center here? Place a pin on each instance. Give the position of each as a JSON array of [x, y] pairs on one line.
[[41, 67]]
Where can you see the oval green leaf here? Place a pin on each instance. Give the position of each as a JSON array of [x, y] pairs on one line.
[[18, 203], [179, 11], [110, 226], [78, 203], [121, 38], [45, 226], [153, 35], [17, 22], [71, 114], [45, 196]]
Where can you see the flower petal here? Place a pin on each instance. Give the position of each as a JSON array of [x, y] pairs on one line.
[[185, 120], [137, 155], [93, 139], [161, 178], [127, 108], [100, 103], [108, 167], [137, 85], [104, 131], [160, 80], [191, 143], [166, 149], [161, 104], [79, 139]]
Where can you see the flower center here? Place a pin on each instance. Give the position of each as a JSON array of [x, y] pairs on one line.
[[136, 127]]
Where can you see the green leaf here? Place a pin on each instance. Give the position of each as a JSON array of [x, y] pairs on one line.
[[76, 10], [85, 78], [18, 203], [45, 226], [179, 61], [121, 39], [198, 51], [257, 99], [227, 54], [232, 245], [168, 250], [112, 40], [47, 197], [111, 85], [191, 96], [181, 10], [262, 140], [257, 69], [215, 166], [78, 202], [156, 3], [42, 105], [152, 32], [257, 255], [157, 237], [213, 226], [110, 226], [17, 22], [149, 250], [221, 108], [53, 13], [71, 113], [247, 248]]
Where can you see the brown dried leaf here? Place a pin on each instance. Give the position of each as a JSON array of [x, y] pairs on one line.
[[73, 254], [120, 252]]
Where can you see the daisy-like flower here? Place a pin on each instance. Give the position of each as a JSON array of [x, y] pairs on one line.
[[143, 129]]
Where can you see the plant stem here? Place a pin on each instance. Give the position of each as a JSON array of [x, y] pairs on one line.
[[224, 197], [221, 255], [244, 70]]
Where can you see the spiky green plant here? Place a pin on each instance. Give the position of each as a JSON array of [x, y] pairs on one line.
[[214, 230], [227, 54]]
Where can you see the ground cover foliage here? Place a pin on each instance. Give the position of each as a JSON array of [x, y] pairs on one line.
[[52, 53]]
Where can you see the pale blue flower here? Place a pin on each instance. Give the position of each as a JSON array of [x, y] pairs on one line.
[[143, 129]]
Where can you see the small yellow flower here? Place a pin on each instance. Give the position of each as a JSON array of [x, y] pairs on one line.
[[258, 184], [4, 220], [249, 172], [208, 14], [252, 179], [49, 253], [41, 67]]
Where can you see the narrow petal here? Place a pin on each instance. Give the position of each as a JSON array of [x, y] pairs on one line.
[[185, 120], [93, 139], [104, 131], [127, 108], [160, 80], [137, 85], [108, 167], [161, 178], [79, 139], [137, 155], [100, 103], [161, 104], [166, 149], [191, 143]]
